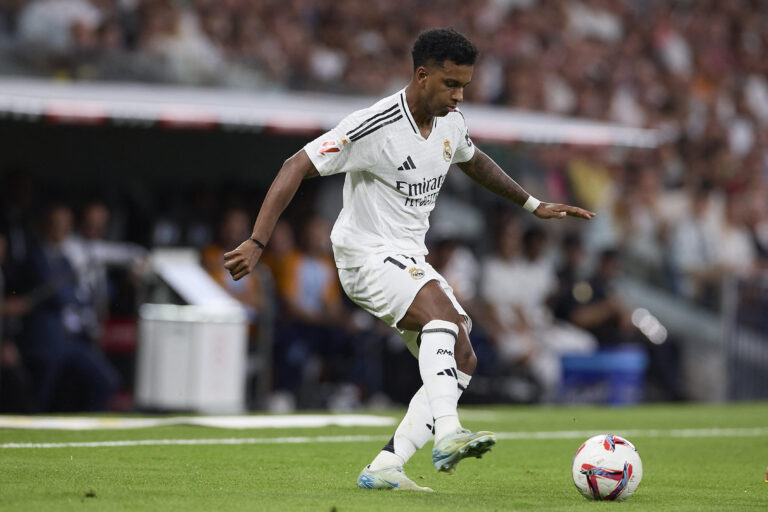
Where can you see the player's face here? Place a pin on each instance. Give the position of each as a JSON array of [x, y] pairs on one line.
[[444, 86]]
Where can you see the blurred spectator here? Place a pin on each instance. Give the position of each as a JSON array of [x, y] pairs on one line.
[[696, 269], [595, 19], [707, 248], [756, 218], [15, 395], [594, 304], [280, 256], [90, 256], [16, 214], [311, 340], [57, 25], [68, 370], [736, 250], [645, 218], [312, 292], [234, 227], [517, 284], [572, 288], [174, 35], [254, 292], [456, 262], [3, 247]]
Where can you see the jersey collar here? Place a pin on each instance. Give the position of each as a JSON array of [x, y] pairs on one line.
[[409, 116], [407, 112]]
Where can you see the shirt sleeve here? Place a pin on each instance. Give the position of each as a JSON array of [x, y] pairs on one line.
[[466, 148], [333, 152]]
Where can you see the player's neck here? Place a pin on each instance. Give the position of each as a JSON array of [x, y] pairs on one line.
[[419, 111]]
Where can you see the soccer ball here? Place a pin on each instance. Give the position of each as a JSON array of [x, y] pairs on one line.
[[607, 467]]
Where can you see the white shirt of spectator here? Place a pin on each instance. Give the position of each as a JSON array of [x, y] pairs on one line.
[[49, 22], [393, 176], [519, 284]]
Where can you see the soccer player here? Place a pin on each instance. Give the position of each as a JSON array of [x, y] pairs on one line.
[[396, 155]]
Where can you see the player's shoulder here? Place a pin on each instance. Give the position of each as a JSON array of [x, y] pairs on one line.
[[386, 112], [456, 118]]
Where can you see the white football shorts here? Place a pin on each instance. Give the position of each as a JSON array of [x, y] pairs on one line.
[[386, 286]]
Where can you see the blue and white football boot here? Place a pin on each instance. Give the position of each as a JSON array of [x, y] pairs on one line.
[[390, 478], [452, 448]]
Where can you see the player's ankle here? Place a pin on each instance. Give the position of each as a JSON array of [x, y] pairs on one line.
[[446, 425], [386, 459]]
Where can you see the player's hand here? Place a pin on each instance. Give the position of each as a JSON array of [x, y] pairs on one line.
[[241, 261], [558, 211]]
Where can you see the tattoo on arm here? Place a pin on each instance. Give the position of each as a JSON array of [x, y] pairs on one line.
[[488, 174]]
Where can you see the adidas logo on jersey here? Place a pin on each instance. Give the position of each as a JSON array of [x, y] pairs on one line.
[[407, 165]]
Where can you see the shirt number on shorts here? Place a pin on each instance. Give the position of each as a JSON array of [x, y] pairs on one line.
[[390, 259]]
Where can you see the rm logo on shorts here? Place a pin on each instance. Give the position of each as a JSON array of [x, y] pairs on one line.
[[416, 273]]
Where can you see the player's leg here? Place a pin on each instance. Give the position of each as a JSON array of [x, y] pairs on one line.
[[387, 288], [417, 427], [386, 471], [413, 432], [440, 351], [444, 349]]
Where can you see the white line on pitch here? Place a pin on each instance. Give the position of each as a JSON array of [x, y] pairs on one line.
[[569, 434], [686, 432], [234, 440]]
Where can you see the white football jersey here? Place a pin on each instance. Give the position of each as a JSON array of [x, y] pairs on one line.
[[393, 176]]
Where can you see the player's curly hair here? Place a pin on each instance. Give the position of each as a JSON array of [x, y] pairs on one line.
[[440, 44]]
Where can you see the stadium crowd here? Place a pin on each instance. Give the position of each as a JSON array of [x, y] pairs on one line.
[[681, 217]]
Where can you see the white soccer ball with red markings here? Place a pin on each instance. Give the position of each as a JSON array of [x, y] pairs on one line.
[[607, 467]]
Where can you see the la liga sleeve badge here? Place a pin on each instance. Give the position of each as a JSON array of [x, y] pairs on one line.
[[331, 146]]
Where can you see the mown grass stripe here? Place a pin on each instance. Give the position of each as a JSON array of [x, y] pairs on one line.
[[570, 434]]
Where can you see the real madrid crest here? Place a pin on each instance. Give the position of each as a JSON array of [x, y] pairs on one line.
[[416, 273], [447, 151]]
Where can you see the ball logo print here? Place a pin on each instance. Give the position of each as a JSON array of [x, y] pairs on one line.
[[592, 473], [607, 467], [611, 441]]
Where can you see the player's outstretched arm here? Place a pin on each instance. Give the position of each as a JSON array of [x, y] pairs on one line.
[[244, 258], [486, 172]]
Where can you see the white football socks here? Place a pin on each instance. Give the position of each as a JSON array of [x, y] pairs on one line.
[[415, 430], [450, 424], [437, 366], [412, 433], [419, 424]]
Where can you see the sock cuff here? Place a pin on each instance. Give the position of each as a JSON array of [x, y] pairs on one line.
[[463, 379], [441, 326]]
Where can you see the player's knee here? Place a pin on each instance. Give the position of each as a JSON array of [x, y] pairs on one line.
[[466, 361]]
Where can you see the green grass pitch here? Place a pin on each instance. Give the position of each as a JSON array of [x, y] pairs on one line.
[[692, 469]]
